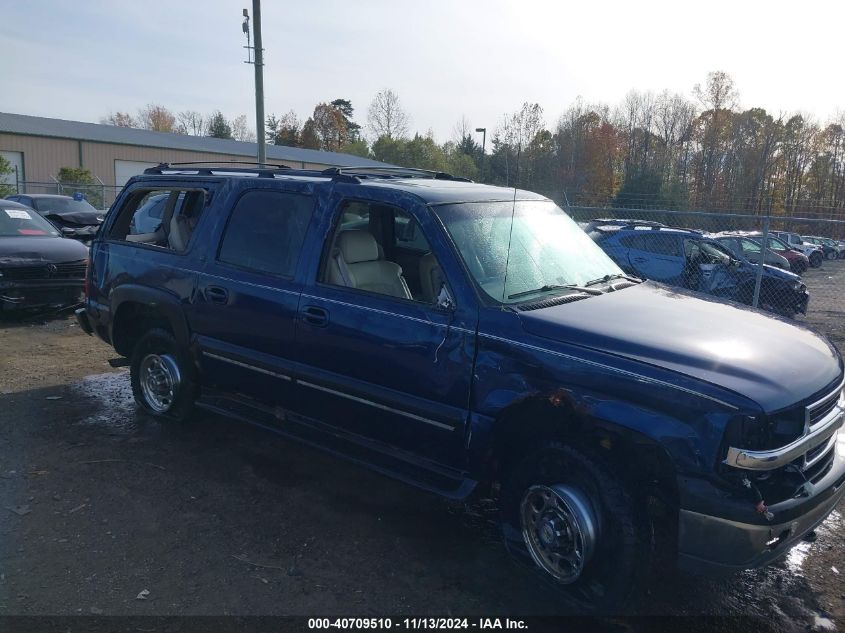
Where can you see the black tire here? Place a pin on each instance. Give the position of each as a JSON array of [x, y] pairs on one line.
[[799, 267], [160, 343], [621, 557], [816, 259]]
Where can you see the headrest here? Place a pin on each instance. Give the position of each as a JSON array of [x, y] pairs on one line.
[[358, 246]]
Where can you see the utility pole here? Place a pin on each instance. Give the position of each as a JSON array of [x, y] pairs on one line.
[[259, 77], [483, 130]]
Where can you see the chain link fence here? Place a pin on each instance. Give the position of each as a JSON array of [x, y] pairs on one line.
[[98, 195], [719, 254]]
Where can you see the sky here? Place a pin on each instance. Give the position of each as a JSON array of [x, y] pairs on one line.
[[445, 59]]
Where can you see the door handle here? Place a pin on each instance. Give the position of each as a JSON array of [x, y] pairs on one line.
[[640, 260], [216, 294], [318, 317]]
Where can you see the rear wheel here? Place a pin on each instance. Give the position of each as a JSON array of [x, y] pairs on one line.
[[567, 515], [162, 378]]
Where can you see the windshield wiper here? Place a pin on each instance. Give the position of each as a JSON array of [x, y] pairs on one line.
[[607, 278], [549, 287]]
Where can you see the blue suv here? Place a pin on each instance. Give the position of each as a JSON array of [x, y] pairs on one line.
[[686, 258], [473, 340]]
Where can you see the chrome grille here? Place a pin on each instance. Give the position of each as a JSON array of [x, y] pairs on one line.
[[817, 412]]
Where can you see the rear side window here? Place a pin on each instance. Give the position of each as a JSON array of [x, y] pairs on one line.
[[662, 244], [634, 241], [266, 231], [165, 218]]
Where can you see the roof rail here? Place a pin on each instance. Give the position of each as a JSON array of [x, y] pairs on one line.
[[356, 174], [263, 170]]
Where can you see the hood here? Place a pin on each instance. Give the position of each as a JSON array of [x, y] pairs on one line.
[[84, 218], [773, 361], [26, 251], [769, 271]]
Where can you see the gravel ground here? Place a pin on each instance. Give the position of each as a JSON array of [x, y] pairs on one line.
[[99, 503], [826, 311]]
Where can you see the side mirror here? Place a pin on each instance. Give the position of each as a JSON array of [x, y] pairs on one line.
[[68, 232], [444, 299]]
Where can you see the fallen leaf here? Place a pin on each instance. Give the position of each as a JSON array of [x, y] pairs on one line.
[[143, 595], [20, 510]]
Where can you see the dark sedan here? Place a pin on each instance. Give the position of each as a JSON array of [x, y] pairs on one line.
[[73, 216], [38, 267]]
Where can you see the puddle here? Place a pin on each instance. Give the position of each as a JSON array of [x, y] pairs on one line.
[[115, 405], [796, 557]]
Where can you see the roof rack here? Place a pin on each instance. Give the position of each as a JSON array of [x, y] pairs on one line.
[[357, 174], [263, 170]]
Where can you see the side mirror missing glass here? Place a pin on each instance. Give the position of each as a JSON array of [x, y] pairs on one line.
[[444, 299]]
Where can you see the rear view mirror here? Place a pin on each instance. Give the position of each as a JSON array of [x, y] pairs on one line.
[[405, 230]]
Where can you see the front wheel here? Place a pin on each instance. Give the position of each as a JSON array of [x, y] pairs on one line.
[[162, 378], [816, 259], [568, 516]]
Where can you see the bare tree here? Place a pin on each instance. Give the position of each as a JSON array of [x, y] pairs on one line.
[[119, 119], [719, 93], [461, 130], [241, 130], [386, 116], [190, 122]]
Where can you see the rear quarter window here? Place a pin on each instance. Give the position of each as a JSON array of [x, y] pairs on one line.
[[266, 231]]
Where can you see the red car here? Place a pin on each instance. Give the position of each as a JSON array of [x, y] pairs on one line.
[[798, 262]]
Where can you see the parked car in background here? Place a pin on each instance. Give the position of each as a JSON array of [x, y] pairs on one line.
[[38, 267], [609, 222], [681, 257], [798, 261], [148, 217], [814, 253], [744, 247], [73, 216], [830, 247]]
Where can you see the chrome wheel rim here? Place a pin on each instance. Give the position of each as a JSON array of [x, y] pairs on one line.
[[560, 530], [160, 378]]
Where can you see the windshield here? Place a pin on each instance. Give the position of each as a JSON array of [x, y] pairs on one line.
[[547, 248], [62, 205], [750, 246], [777, 245], [15, 222]]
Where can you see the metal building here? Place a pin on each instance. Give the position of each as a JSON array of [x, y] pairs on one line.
[[39, 147]]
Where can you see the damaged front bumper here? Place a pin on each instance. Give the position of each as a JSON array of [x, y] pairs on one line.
[[722, 535], [34, 294]]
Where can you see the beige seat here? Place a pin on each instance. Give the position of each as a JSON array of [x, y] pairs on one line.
[[431, 277], [181, 228], [355, 263]]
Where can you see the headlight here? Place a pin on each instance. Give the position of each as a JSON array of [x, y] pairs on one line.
[[796, 285]]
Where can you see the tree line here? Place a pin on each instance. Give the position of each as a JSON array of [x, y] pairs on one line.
[[652, 150], [159, 118]]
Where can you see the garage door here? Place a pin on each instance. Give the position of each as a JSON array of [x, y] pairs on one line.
[[16, 160], [125, 169]]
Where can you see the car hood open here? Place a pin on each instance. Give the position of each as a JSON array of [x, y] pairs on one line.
[[28, 251], [771, 360]]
